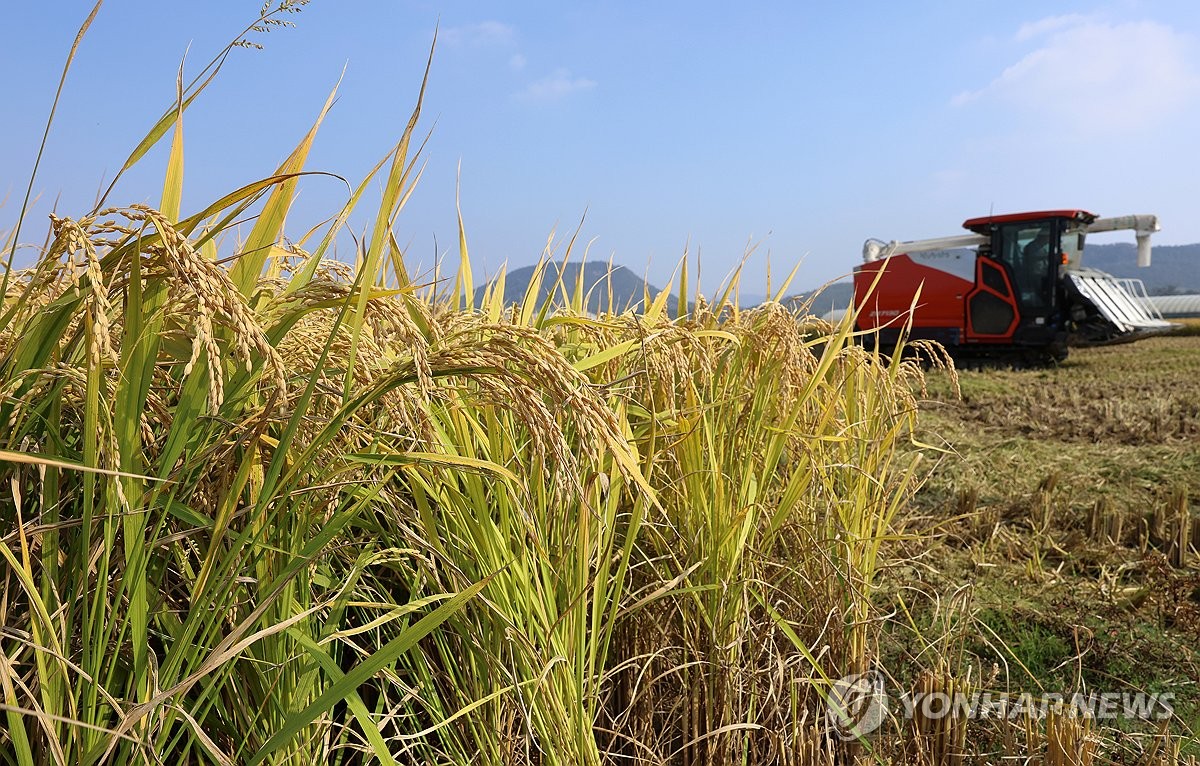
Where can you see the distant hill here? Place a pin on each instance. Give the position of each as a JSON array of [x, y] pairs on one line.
[[833, 297], [628, 289], [1173, 270]]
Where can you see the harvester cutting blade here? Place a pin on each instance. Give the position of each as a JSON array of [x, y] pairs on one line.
[[1115, 316]]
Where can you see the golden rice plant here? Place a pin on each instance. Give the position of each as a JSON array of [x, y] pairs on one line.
[[260, 506]]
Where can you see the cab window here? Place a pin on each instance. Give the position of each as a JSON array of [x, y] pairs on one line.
[[1032, 254]]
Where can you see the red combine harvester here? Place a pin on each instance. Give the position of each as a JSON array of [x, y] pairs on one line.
[[1022, 295]]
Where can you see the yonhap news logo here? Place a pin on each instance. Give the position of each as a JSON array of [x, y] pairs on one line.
[[858, 705]]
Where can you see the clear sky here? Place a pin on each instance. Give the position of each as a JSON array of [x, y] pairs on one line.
[[797, 128]]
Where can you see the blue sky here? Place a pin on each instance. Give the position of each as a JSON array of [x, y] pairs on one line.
[[796, 129]]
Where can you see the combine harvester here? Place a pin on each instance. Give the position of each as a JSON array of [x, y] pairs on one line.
[[1022, 296]]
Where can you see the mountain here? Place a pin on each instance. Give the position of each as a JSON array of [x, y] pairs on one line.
[[1174, 269], [628, 289], [834, 297]]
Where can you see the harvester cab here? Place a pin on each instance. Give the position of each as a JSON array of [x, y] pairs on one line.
[[1014, 289]]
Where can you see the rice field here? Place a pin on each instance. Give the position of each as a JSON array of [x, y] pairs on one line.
[[299, 511], [261, 506], [1063, 524]]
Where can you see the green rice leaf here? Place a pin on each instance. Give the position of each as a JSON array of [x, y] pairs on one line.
[[385, 656]]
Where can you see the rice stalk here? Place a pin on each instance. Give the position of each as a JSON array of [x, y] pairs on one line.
[[274, 508]]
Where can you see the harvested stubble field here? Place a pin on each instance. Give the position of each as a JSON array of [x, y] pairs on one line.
[[1062, 535]]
